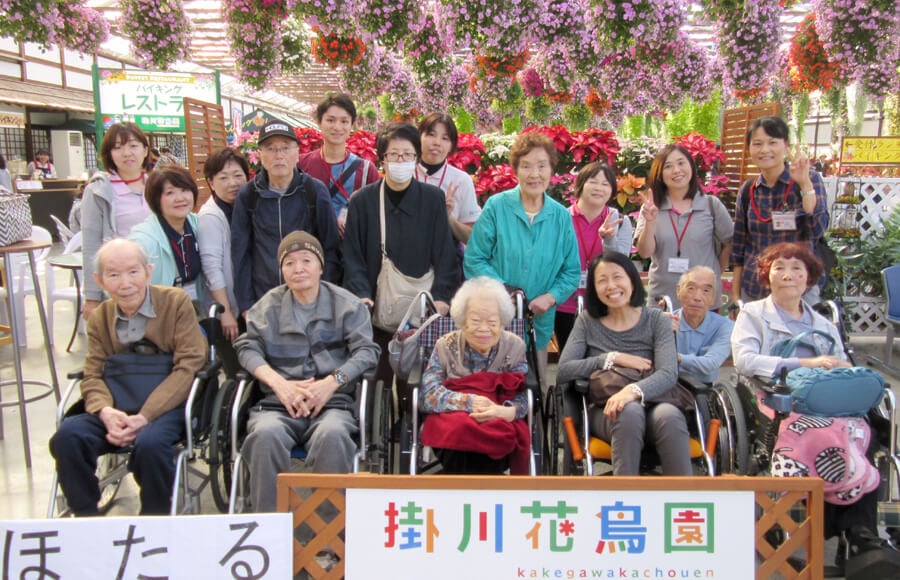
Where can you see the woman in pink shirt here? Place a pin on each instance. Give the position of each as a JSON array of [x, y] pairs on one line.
[[598, 228]]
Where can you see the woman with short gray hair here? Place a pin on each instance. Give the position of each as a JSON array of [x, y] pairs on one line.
[[473, 386]]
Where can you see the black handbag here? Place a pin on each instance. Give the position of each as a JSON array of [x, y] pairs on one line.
[[132, 376]]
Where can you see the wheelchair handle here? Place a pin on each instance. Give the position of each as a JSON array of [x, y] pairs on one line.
[[574, 443]]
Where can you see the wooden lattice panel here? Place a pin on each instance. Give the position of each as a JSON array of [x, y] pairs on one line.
[[795, 505], [737, 166], [204, 124], [865, 315]]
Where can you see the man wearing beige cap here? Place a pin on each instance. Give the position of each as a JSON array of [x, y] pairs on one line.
[[307, 343]]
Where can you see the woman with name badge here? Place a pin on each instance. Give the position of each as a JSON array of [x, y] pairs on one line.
[[169, 235], [679, 226], [785, 203], [598, 227]]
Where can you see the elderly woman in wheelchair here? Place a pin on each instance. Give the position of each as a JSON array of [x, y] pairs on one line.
[[473, 387], [783, 336], [618, 335]]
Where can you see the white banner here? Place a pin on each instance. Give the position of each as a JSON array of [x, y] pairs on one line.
[[453, 534], [189, 547]]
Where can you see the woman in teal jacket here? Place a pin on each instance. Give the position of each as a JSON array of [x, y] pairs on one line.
[[525, 239], [169, 235]]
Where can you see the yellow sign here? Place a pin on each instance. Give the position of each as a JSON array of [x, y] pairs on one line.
[[870, 151]]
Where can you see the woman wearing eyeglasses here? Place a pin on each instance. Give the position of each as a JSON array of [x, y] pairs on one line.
[[417, 238]]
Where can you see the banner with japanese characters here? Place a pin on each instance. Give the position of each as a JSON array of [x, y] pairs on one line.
[[185, 547], [154, 101], [452, 534]]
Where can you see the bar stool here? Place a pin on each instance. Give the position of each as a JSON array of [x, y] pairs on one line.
[[26, 247]]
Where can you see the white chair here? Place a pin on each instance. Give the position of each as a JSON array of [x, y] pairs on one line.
[[21, 280], [65, 234], [65, 293]]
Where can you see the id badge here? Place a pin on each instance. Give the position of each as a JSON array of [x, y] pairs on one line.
[[582, 282], [784, 221], [191, 289], [678, 265], [342, 216]]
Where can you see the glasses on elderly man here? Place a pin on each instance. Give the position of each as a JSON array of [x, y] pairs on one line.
[[395, 157], [283, 150]]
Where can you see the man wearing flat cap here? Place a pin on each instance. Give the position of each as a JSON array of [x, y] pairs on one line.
[[278, 200], [307, 343]]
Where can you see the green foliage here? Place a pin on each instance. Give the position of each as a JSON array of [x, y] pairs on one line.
[[632, 127], [577, 116], [862, 261], [387, 107], [512, 124], [465, 121], [799, 110], [538, 109], [700, 117]]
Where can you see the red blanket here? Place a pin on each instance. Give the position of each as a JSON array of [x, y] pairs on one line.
[[496, 438]]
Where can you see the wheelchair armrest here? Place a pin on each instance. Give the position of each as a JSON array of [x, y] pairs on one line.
[[79, 375], [210, 370], [692, 383], [582, 386], [242, 375]]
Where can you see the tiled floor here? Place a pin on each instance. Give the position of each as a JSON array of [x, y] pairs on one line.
[[24, 493]]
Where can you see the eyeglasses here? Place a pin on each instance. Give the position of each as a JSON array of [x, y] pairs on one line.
[[395, 157], [280, 151]]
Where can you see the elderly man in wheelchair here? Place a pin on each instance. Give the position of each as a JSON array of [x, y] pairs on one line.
[[307, 343], [145, 416], [829, 433]]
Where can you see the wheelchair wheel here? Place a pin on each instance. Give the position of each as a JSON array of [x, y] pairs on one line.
[[111, 470], [220, 445], [380, 436], [733, 448], [555, 431]]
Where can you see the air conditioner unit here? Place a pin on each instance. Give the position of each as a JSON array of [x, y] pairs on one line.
[[68, 153]]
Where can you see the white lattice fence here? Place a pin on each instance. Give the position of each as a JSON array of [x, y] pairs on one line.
[[879, 197], [864, 315]]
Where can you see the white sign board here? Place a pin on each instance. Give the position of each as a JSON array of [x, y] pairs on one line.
[[452, 534], [183, 547]]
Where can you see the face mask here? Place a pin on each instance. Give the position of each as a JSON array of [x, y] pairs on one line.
[[401, 171]]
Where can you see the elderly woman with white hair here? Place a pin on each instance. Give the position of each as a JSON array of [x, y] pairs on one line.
[[473, 387]]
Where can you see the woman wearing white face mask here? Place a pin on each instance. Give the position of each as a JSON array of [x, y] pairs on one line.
[[417, 238]]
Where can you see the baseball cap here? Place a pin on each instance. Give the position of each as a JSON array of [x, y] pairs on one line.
[[276, 129]]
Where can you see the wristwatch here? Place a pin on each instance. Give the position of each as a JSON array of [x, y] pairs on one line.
[[341, 377]]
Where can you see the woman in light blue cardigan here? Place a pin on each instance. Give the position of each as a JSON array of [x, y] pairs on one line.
[[169, 235], [525, 239]]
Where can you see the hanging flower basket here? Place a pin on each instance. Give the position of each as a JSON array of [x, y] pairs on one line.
[[501, 65], [597, 104], [159, 31], [255, 30], [30, 20], [810, 67], [335, 50], [81, 29]]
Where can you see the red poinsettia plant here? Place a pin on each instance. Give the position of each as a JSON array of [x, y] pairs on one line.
[[594, 144], [811, 68], [494, 179], [468, 153], [703, 150], [561, 137], [362, 143], [309, 139], [335, 50]]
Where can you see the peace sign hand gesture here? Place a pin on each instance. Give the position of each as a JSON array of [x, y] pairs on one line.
[[610, 226]]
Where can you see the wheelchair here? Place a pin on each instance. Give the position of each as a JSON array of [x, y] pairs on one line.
[[574, 451], [231, 414], [756, 428], [414, 458], [190, 482]]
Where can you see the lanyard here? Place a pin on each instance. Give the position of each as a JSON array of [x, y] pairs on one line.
[[440, 183], [182, 253], [678, 237], [787, 194], [582, 245], [331, 180]]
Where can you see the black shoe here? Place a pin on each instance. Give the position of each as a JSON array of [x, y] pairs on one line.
[[870, 557]]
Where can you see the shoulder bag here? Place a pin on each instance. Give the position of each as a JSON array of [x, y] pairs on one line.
[[394, 290], [605, 383]]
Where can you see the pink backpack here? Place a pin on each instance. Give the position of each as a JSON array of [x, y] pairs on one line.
[[831, 448]]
